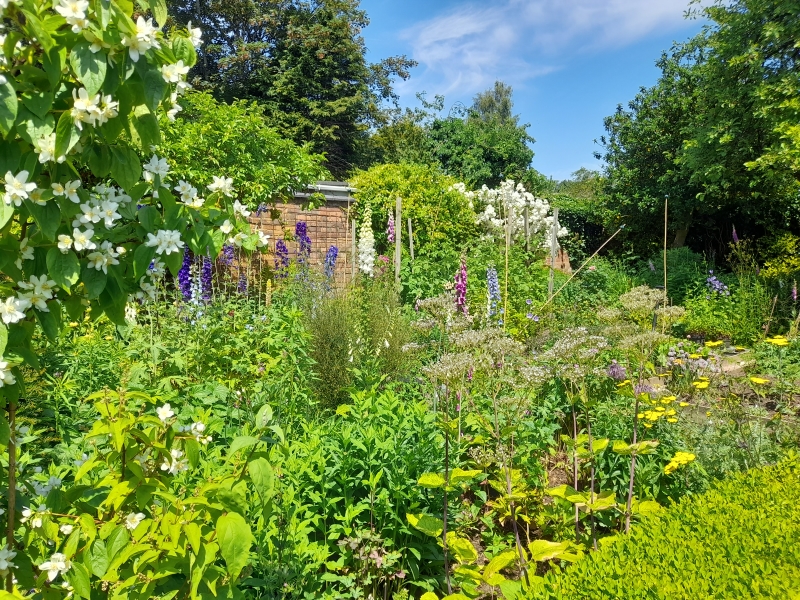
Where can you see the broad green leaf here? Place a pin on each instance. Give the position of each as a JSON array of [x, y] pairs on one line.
[[262, 475], [159, 10], [113, 300], [64, 269], [426, 524], [429, 596], [234, 538], [50, 320], [38, 103], [567, 493], [461, 548], [599, 501], [9, 157], [184, 50], [544, 550], [145, 126], [192, 448], [98, 558], [99, 160], [53, 62], [126, 168], [8, 106], [500, 562], [264, 416], [511, 590], [155, 88], [431, 480], [118, 539], [47, 217], [243, 441], [142, 257], [90, 67], [3, 338], [93, 280], [79, 578], [150, 218], [460, 475], [67, 134], [6, 212]]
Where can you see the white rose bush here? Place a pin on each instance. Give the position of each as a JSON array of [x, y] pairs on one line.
[[90, 217]]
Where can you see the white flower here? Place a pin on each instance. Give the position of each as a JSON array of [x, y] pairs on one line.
[[82, 240], [165, 412], [36, 299], [6, 376], [74, 11], [11, 310], [188, 192], [81, 461], [39, 284], [6, 554], [222, 184], [18, 187], [45, 147], [36, 197], [35, 517], [366, 245], [166, 241], [133, 519], [143, 40], [108, 210], [84, 108], [57, 565], [238, 239], [226, 227], [91, 214], [174, 73], [240, 209], [173, 112], [176, 465], [263, 239], [26, 252], [64, 243], [107, 110], [156, 166], [69, 189], [66, 529], [195, 35], [147, 291]]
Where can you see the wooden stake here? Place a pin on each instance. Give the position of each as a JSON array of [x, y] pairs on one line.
[[12, 487], [553, 250], [410, 239], [666, 201], [398, 245]]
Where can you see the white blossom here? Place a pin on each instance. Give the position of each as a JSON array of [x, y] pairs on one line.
[[165, 412], [69, 189], [166, 241], [226, 227], [6, 376], [366, 245], [74, 11], [222, 184], [57, 565], [174, 73], [108, 211], [82, 240], [45, 147], [156, 166], [66, 529], [263, 239], [12, 309], [133, 519], [85, 108], [240, 209], [177, 464], [142, 40], [195, 35], [17, 187]]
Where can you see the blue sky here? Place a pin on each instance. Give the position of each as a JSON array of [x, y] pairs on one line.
[[570, 62]]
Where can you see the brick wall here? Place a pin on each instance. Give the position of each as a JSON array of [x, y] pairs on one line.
[[327, 226]]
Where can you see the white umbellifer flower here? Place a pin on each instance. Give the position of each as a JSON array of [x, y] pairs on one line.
[[84, 107], [91, 214], [226, 227], [156, 166], [11, 310], [143, 40], [74, 11], [263, 239], [222, 184], [133, 519], [195, 35], [82, 240], [174, 73], [366, 245], [6, 564], [6, 376], [108, 210], [66, 529], [64, 243], [18, 187], [240, 209], [165, 412], [57, 565], [166, 241]]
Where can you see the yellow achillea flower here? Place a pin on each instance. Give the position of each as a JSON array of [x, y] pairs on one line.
[[680, 459], [759, 380], [694, 356], [713, 344], [672, 420], [777, 340], [624, 383], [667, 399], [700, 385]]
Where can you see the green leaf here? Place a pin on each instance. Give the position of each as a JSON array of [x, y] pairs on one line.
[[426, 524], [38, 103], [567, 493], [192, 448], [142, 257], [159, 10], [499, 562], [262, 475], [461, 548], [461, 476], [9, 156], [6, 212], [150, 218], [112, 301], [78, 577], [544, 550], [184, 50], [145, 125], [90, 67], [99, 160], [118, 539], [8, 106], [154, 88], [431, 480], [67, 134], [98, 558], [126, 168], [263, 416], [429, 596], [93, 280], [243, 441], [49, 321], [235, 539], [3, 338], [47, 217], [64, 269]]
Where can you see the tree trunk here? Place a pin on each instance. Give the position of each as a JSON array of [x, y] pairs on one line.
[[680, 237]]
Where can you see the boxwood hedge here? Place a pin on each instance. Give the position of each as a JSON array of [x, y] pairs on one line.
[[739, 540]]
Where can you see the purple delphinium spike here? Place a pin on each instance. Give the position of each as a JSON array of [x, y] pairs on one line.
[[205, 278], [735, 237], [281, 258], [242, 285], [493, 292], [303, 241], [390, 228], [794, 291], [227, 255], [461, 287], [185, 275], [330, 261]]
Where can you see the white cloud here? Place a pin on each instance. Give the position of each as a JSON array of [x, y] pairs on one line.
[[466, 49]]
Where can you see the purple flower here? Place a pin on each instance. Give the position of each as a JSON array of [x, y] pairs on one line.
[[330, 261], [242, 285], [205, 278], [281, 258], [735, 237], [493, 292], [616, 371], [461, 287], [185, 275], [794, 291], [227, 255], [715, 286], [262, 209], [528, 301], [390, 228], [642, 388], [304, 242]]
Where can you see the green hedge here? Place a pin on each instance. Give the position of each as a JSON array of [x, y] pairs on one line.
[[739, 540]]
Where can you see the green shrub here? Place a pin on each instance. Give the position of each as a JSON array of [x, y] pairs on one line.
[[685, 270], [738, 540]]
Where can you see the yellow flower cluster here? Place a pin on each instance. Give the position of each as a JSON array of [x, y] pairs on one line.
[[759, 380], [713, 344], [777, 340], [701, 383], [680, 459], [649, 417]]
